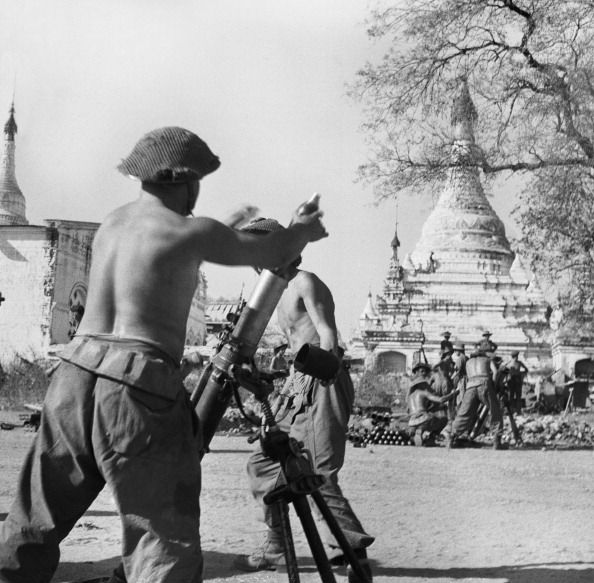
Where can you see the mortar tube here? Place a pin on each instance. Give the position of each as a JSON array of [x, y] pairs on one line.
[[257, 312], [241, 347]]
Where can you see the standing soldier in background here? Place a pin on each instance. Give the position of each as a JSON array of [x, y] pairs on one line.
[[486, 344], [318, 416], [458, 373], [280, 366], [501, 381], [116, 411], [445, 344], [517, 371], [279, 362], [480, 389]]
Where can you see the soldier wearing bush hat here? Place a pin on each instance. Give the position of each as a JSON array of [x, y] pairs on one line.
[[486, 344], [517, 371], [421, 366], [421, 375], [458, 373], [428, 415], [279, 362], [445, 343], [142, 280]]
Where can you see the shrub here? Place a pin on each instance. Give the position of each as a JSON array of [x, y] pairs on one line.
[[386, 390], [23, 382]]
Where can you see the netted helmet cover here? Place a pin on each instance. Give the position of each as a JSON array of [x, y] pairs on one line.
[[263, 226], [169, 154]]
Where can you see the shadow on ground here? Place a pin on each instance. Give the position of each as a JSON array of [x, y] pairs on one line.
[[220, 566], [533, 573]]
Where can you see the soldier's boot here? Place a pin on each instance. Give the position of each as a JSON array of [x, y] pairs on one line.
[[497, 443], [268, 557], [450, 440]]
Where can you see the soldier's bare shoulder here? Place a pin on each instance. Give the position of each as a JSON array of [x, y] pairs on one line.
[[309, 283], [307, 278]]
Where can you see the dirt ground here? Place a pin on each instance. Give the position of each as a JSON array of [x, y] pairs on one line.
[[517, 516]]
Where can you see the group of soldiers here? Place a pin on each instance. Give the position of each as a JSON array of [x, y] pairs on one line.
[[453, 395]]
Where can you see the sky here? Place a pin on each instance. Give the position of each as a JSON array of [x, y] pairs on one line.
[[263, 82]]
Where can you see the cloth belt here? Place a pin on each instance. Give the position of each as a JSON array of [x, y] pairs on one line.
[[137, 368]]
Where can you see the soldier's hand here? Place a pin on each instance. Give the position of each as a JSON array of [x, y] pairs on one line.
[[313, 224]]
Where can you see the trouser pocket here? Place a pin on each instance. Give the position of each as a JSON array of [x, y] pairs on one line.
[[138, 423]]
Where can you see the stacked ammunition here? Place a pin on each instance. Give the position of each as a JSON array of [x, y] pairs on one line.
[[383, 431]]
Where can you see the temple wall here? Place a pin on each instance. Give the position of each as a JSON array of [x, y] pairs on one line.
[[24, 270], [70, 248], [566, 355], [44, 274]]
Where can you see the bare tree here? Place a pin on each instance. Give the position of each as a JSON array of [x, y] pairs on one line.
[[529, 65]]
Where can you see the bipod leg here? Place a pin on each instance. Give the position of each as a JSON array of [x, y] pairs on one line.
[[569, 405], [512, 422], [303, 510], [341, 539], [478, 424], [288, 544]]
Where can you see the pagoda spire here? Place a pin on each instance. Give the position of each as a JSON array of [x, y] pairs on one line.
[[12, 201], [463, 114], [10, 127], [395, 241], [369, 311], [463, 232]]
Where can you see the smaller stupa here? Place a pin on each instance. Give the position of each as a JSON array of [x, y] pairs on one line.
[[12, 201]]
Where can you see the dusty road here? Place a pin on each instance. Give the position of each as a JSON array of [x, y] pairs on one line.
[[441, 516]]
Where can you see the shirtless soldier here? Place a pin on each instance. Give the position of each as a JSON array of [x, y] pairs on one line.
[[116, 411], [317, 416], [426, 420]]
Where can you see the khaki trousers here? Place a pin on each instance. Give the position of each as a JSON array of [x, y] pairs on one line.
[[318, 417], [117, 416]]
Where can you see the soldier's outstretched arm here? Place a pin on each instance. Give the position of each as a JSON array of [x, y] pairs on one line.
[[215, 242]]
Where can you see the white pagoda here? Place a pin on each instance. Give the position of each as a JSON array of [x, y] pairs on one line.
[[461, 277]]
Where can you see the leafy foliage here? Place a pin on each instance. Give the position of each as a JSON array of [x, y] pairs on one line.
[[23, 381], [557, 215], [529, 65], [379, 390]]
